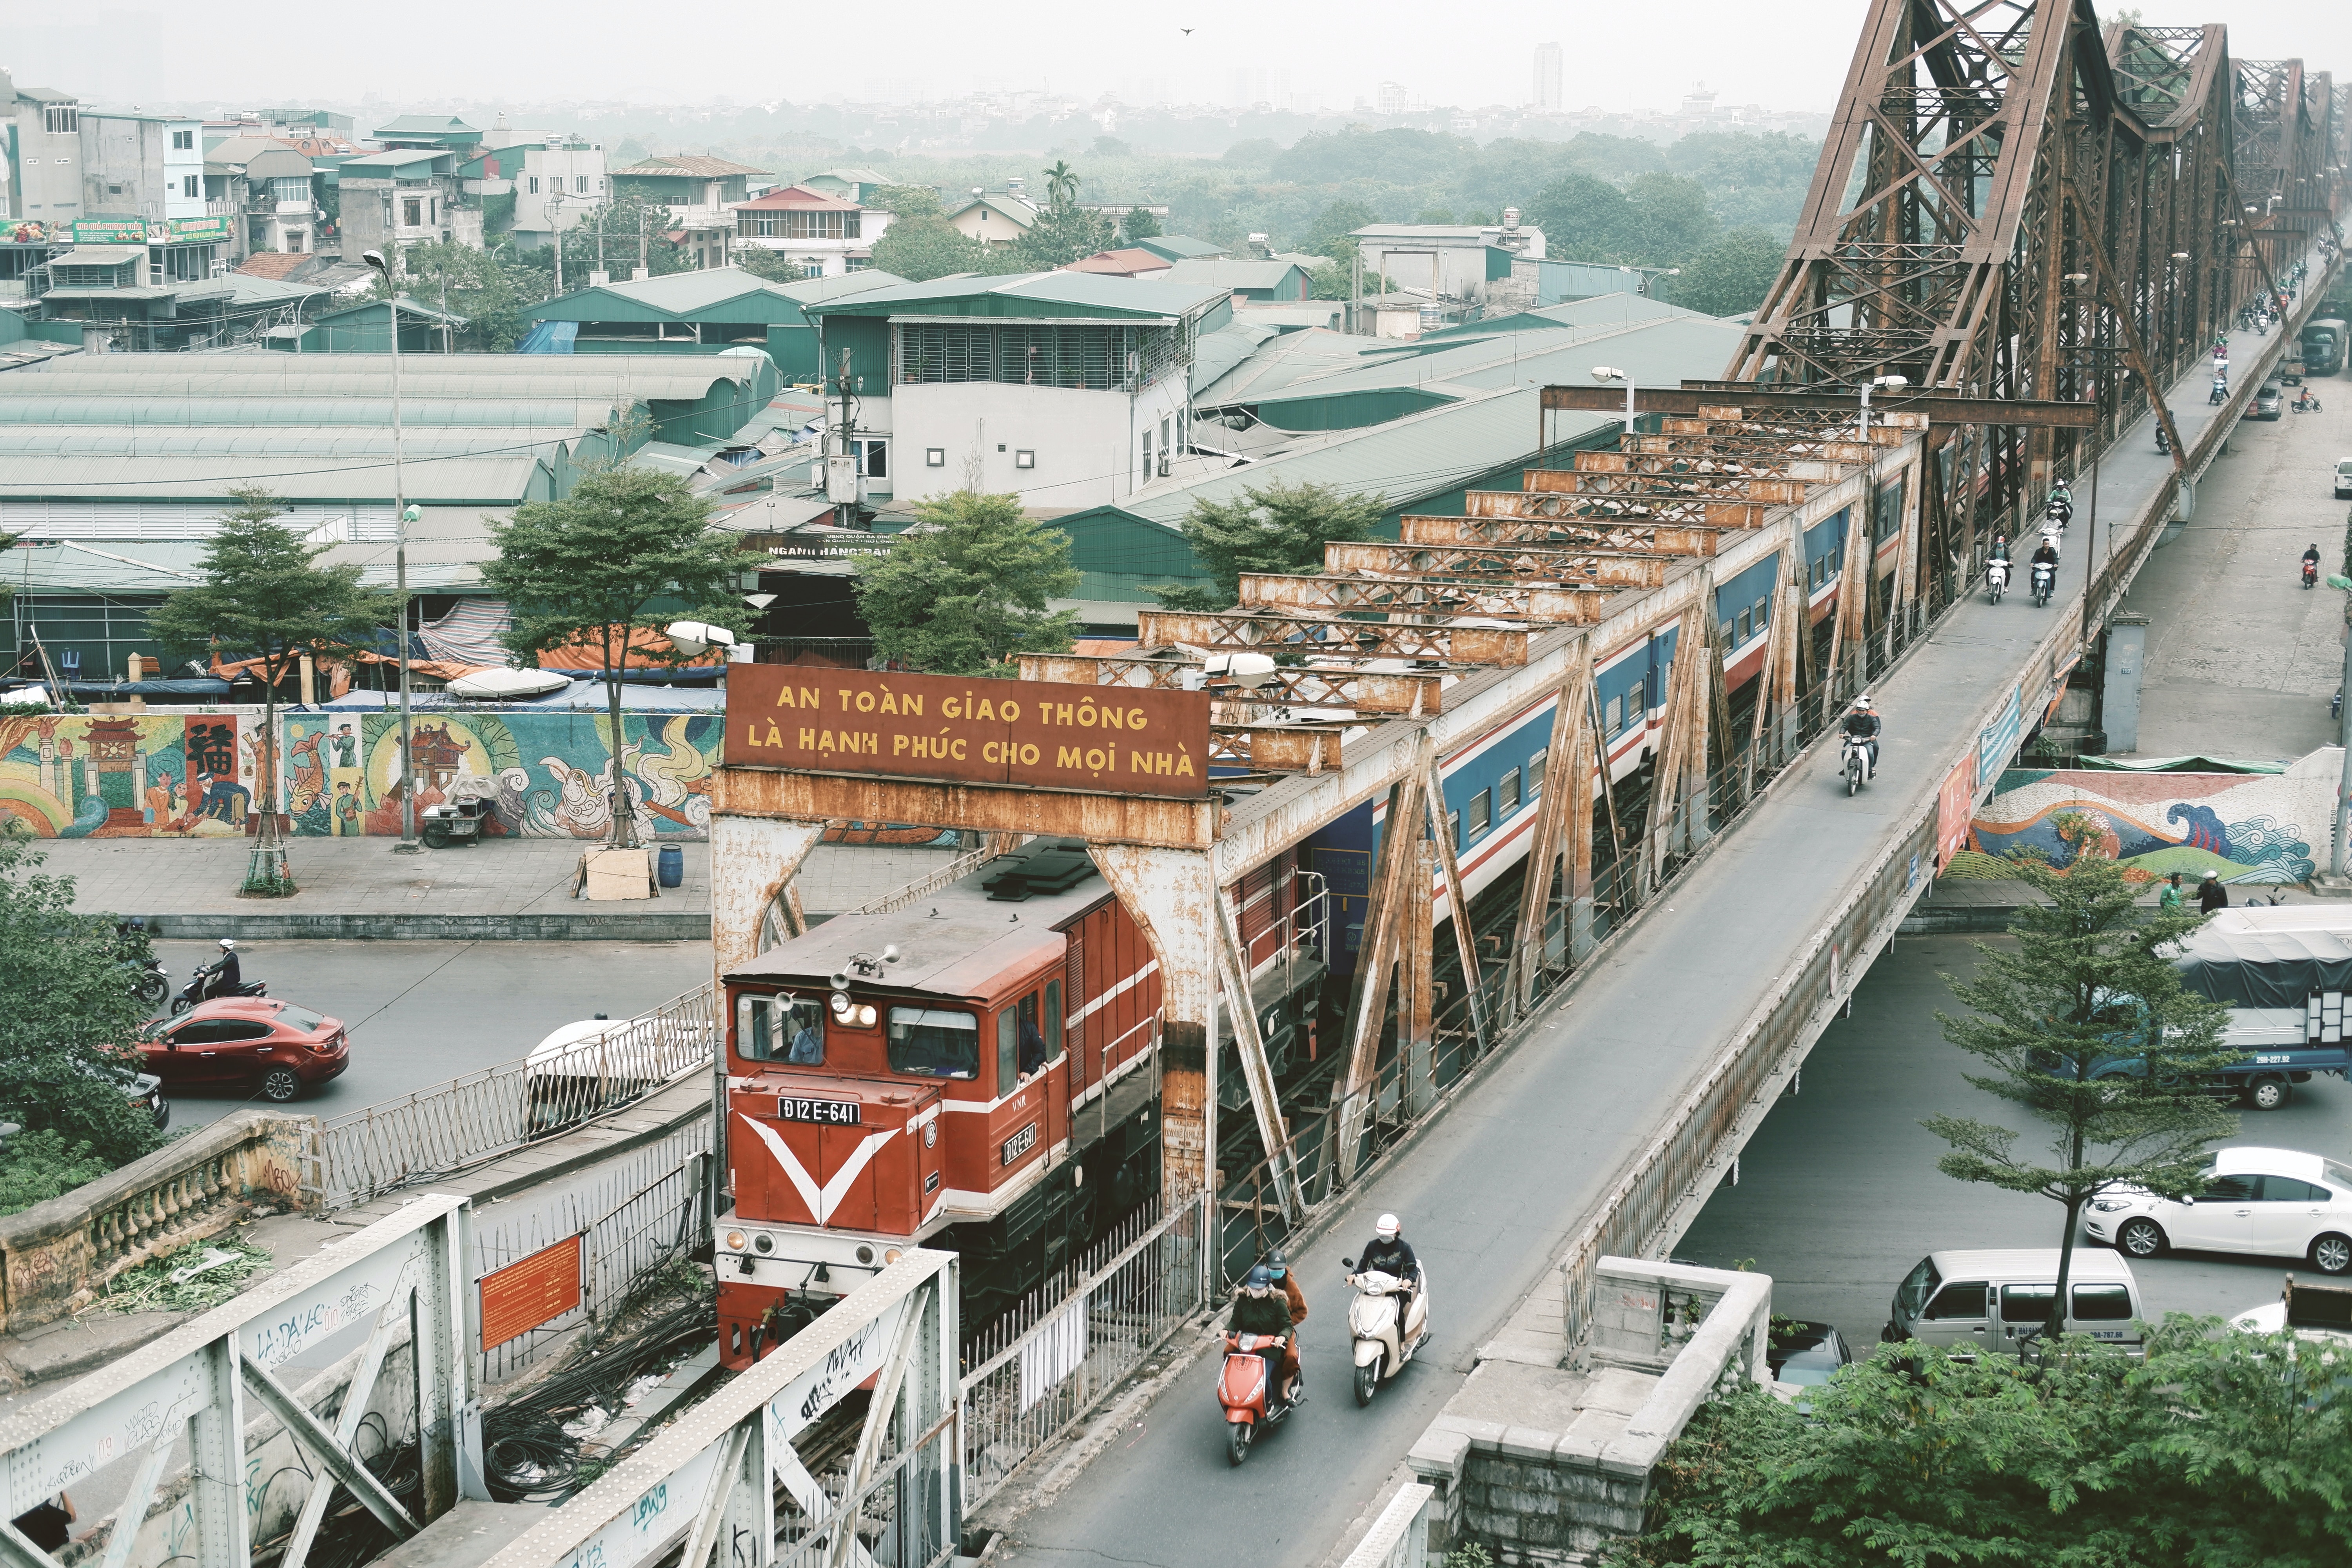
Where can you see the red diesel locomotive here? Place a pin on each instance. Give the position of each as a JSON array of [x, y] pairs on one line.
[[973, 1073]]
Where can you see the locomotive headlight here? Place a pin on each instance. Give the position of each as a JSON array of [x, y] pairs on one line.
[[763, 1243], [891, 1255], [866, 1255], [841, 1008], [734, 1241]]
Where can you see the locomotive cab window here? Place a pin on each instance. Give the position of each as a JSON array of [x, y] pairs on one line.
[[779, 1029], [934, 1043], [1020, 1042]]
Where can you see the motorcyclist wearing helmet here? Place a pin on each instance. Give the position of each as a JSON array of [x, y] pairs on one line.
[[1861, 724], [227, 977], [2046, 553], [2311, 560], [2000, 551], [1285, 1279], [1390, 1253], [1261, 1308]]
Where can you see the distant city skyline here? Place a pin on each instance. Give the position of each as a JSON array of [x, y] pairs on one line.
[[1619, 59]]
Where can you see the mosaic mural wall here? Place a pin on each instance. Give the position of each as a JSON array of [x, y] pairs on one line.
[[547, 775], [2247, 827], [84, 775]]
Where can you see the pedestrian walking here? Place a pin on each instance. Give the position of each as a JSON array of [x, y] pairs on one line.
[[2168, 901], [2211, 895]]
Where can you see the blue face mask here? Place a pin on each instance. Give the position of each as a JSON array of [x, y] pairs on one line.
[[1277, 1273]]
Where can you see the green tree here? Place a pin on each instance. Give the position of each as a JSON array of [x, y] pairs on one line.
[[921, 248], [1110, 147], [618, 223], [907, 201], [628, 551], [1335, 221], [2228, 1450], [1731, 275], [1436, 214], [265, 597], [773, 265], [481, 285], [1667, 219], [966, 588], [67, 1016], [2088, 984], [1275, 527], [1138, 224], [1583, 219], [1061, 185], [1062, 234]]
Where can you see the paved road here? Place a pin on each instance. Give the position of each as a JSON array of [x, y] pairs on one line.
[[1494, 1190], [2240, 659], [422, 1013], [1839, 1195]]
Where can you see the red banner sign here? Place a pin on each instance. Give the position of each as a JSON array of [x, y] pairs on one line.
[[1955, 806], [1027, 734], [536, 1289]]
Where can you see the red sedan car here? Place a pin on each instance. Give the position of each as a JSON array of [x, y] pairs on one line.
[[247, 1042]]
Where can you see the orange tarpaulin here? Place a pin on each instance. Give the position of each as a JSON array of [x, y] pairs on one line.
[[647, 648]]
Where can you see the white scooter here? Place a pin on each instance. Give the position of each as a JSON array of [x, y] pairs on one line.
[[1996, 578], [1381, 1348]]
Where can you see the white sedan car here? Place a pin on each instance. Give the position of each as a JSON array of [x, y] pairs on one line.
[[2273, 1203]]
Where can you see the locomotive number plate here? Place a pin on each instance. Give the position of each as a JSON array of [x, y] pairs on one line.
[[1019, 1143], [823, 1112]]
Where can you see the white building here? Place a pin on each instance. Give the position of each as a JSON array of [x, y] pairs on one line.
[[826, 235], [556, 180], [1548, 97]]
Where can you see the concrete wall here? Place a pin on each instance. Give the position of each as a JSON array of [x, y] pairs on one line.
[[1087, 445]]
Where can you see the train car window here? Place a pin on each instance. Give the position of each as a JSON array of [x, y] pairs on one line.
[[1054, 1039], [1482, 812], [1033, 1055], [779, 1029], [1008, 1050], [1616, 718], [934, 1043], [1536, 765], [1637, 709], [1506, 794]]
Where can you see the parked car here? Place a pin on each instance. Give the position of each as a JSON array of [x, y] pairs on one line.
[[2269, 399], [144, 1091], [1968, 1302], [261, 1043], [2272, 1202], [1805, 1353], [2343, 478]]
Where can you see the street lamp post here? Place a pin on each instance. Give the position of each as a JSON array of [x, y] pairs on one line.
[[2344, 739], [1892, 383], [402, 515], [1604, 374]]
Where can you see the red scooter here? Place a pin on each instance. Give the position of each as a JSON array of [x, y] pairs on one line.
[[2311, 574], [1245, 1389]]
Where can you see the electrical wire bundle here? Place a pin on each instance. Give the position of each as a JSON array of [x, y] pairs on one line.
[[528, 1454]]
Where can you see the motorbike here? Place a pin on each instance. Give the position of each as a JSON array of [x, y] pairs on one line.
[[199, 988], [2220, 391], [2163, 443], [152, 983], [1996, 579], [1853, 762], [2335, 704], [2306, 404], [1383, 1344], [1245, 1391], [2045, 579], [2310, 574]]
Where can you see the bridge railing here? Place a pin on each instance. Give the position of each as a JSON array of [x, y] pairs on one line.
[[436, 1131]]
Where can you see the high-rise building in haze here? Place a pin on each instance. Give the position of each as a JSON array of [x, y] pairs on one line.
[[1548, 94], [1392, 98]]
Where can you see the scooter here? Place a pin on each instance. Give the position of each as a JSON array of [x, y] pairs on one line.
[[1996, 579], [2044, 579], [2220, 391], [2310, 574], [1382, 1345], [2306, 404], [154, 983], [1245, 1391], [2163, 443], [1854, 763], [199, 989]]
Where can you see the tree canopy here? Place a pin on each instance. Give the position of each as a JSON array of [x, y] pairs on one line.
[[1275, 527], [923, 248], [628, 550], [1730, 274], [2222, 1450], [967, 586], [485, 287], [68, 1018]]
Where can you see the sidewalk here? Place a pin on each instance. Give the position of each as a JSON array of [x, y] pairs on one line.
[[518, 890]]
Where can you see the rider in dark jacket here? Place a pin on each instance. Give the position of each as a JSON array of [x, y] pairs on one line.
[[1862, 724], [1260, 1309], [230, 975]]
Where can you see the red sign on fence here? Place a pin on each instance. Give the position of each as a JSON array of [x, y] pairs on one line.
[[536, 1289], [1955, 807]]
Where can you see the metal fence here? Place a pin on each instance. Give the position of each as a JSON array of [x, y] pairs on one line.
[[1033, 1374], [635, 1217], [435, 1131]]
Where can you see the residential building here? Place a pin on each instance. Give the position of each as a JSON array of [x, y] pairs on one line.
[[395, 199], [701, 312], [1393, 99], [699, 193], [44, 156], [1069, 389], [107, 297], [1455, 261], [850, 184], [995, 220], [827, 236], [271, 190], [445, 133], [557, 180], [1547, 99]]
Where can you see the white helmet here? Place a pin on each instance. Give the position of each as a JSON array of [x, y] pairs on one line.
[[227, 945], [1386, 1227], [1862, 703]]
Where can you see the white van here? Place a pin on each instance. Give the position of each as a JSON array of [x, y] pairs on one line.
[[1971, 1302], [2343, 478]]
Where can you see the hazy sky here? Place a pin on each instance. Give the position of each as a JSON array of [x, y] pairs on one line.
[[1789, 55]]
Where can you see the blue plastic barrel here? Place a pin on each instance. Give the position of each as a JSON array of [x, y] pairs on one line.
[[672, 865]]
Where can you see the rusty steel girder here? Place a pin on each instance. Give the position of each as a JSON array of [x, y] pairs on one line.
[[1653, 510], [1267, 632], [1367, 691], [1547, 603], [1690, 457], [1277, 747], [1599, 482], [1646, 538], [1587, 568]]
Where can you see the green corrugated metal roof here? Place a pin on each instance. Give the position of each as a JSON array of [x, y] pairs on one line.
[[699, 296], [1219, 272], [1178, 246], [391, 163], [1214, 353], [245, 441], [489, 480], [1029, 294], [249, 410]]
